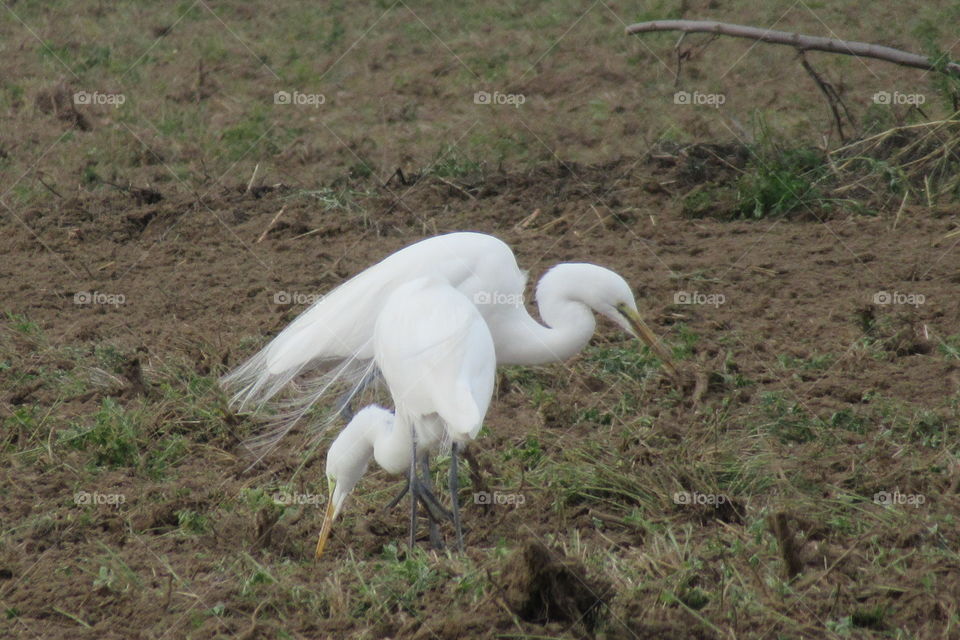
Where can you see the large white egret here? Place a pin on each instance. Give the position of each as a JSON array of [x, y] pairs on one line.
[[332, 341], [436, 354]]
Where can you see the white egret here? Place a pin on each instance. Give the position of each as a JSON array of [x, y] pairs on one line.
[[332, 341], [370, 433], [437, 357]]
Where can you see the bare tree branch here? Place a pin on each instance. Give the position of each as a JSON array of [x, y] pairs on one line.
[[799, 41], [833, 97]]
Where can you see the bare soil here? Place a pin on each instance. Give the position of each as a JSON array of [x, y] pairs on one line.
[[196, 282], [147, 249]]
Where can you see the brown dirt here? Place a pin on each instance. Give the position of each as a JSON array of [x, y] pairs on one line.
[[541, 588], [142, 204], [184, 265], [196, 282]]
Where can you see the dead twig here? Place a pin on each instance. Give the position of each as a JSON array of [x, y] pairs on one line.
[[833, 98], [455, 186], [49, 188], [523, 224], [270, 226], [906, 192], [252, 178], [687, 54], [252, 629], [799, 41]]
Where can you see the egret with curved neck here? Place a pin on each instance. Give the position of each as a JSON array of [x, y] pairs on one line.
[[331, 343]]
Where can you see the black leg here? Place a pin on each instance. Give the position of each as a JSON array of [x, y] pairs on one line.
[[413, 487], [454, 495], [431, 503], [396, 501], [428, 485]]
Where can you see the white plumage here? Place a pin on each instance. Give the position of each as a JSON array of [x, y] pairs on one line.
[[331, 343], [437, 358]]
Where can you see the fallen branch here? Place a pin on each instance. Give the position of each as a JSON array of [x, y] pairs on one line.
[[799, 41]]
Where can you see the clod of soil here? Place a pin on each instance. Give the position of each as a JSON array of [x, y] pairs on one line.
[[542, 588], [59, 101]]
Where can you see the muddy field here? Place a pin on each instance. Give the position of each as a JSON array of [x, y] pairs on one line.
[[800, 479]]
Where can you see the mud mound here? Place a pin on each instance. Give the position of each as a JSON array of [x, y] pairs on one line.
[[541, 588]]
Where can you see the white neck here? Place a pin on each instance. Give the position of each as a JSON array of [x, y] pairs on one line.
[[392, 447], [570, 325]]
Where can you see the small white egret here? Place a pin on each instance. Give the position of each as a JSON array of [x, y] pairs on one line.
[[370, 433], [332, 341], [438, 359], [373, 433]]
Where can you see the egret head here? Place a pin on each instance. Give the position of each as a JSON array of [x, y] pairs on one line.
[[347, 461], [608, 294]]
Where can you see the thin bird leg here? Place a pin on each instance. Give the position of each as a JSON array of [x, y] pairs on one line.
[[428, 485], [414, 484], [430, 502], [454, 497], [396, 501], [427, 498]]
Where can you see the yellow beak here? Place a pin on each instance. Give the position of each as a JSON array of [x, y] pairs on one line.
[[327, 522], [642, 331]]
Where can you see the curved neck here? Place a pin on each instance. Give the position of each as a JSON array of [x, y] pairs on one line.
[[570, 325], [392, 446]]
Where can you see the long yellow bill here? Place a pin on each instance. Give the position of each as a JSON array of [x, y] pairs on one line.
[[643, 332], [327, 524]]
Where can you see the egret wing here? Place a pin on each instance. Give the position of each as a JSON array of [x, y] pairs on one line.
[[330, 345], [437, 355]]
